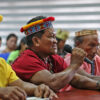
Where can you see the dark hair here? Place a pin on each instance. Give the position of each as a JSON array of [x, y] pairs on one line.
[[78, 39], [58, 40], [37, 34], [0, 38], [11, 35], [23, 40]]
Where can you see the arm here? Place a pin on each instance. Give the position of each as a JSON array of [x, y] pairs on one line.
[[84, 73], [84, 82], [33, 90], [28, 87], [15, 87], [59, 80], [12, 93]]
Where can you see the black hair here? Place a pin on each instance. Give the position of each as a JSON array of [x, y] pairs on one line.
[[23, 40], [0, 38], [58, 40], [11, 35], [37, 34], [78, 39]]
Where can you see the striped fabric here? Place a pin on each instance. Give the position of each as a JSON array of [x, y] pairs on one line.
[[72, 15]]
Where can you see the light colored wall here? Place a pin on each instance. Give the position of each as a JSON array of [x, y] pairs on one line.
[[72, 15]]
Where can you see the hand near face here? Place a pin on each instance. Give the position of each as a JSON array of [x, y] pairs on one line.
[[78, 56], [44, 91], [12, 93]]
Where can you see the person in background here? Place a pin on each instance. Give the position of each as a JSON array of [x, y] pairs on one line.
[[41, 64], [14, 54], [87, 40], [0, 41], [61, 36], [13, 88], [11, 43]]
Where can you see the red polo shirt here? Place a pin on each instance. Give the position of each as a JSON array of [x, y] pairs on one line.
[[28, 63]]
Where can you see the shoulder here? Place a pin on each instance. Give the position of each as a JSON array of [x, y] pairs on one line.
[[2, 61], [58, 59], [29, 58], [30, 55], [3, 64], [59, 62], [5, 51], [13, 53]]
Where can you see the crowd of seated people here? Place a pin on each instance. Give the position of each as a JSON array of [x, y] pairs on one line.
[[43, 65], [13, 88], [40, 63]]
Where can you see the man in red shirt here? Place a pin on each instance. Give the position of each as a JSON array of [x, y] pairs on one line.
[[40, 63], [13, 88]]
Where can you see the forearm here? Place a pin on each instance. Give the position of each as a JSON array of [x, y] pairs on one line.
[[1, 92], [55, 81], [27, 87], [84, 82], [84, 73], [59, 80], [95, 77]]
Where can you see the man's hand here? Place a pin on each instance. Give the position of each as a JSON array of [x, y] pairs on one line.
[[44, 91], [12, 93], [78, 56]]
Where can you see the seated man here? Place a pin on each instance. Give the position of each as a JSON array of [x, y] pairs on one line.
[[87, 40], [40, 63], [13, 88]]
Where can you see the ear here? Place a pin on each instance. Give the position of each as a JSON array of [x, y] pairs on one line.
[[36, 41]]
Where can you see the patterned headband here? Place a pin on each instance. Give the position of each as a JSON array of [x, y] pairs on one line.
[[86, 32], [37, 26]]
